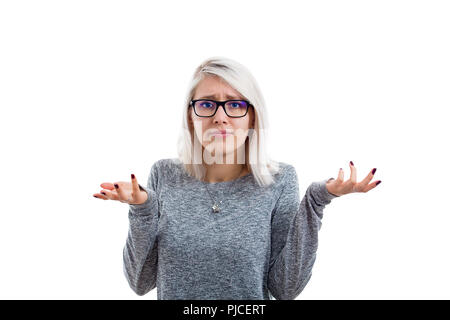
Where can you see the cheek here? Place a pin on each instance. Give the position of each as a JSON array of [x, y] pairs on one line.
[[241, 130], [199, 127], [243, 125]]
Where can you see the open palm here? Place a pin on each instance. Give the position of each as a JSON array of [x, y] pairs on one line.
[[123, 191], [339, 187]]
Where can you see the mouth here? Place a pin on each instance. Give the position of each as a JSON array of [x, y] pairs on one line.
[[221, 134]]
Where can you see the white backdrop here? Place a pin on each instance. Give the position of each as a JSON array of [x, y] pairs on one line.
[[91, 91]]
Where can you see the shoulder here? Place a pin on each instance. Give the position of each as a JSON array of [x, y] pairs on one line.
[[287, 169], [167, 168], [285, 177], [287, 189], [286, 172], [166, 163], [162, 171]]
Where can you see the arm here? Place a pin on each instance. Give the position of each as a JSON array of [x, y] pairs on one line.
[[140, 254], [295, 228]]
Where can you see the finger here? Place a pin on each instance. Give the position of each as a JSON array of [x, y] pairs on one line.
[[352, 172], [111, 195], [340, 177], [134, 184], [100, 196], [369, 177], [371, 186], [120, 192], [107, 185]]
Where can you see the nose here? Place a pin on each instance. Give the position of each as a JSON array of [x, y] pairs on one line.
[[220, 116]]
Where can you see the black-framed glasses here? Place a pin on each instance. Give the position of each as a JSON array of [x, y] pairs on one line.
[[232, 108]]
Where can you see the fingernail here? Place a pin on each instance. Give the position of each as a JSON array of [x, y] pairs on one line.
[[378, 183], [95, 197], [351, 162], [132, 176], [103, 193], [116, 186], [373, 170], [340, 169]]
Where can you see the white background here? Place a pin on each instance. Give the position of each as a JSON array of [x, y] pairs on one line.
[[91, 91]]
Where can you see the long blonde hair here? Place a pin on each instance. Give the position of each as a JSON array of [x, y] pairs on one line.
[[239, 77]]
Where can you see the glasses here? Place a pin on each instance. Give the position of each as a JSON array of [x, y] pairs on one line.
[[208, 108]]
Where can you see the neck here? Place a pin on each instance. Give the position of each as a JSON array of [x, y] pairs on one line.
[[224, 172]]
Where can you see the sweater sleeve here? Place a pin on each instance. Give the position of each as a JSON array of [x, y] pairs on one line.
[[140, 254], [295, 227]]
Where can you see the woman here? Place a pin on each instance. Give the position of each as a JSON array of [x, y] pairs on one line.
[[223, 221]]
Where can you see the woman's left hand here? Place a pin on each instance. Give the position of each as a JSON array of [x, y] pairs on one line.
[[339, 187]]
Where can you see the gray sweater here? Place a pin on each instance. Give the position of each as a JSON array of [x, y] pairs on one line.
[[261, 245]]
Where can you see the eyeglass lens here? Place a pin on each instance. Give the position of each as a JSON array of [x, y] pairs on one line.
[[236, 108]]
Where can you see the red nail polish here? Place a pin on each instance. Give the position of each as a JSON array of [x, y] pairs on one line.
[[378, 183], [373, 170], [95, 197], [351, 162], [103, 193], [116, 186], [132, 176]]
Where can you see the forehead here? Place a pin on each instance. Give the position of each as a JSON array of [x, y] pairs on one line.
[[214, 86]]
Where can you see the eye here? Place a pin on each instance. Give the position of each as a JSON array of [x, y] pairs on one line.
[[206, 104]]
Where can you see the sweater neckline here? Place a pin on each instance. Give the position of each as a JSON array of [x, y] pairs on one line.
[[225, 183], [221, 184]]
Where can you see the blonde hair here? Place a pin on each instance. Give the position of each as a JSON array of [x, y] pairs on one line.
[[239, 77]]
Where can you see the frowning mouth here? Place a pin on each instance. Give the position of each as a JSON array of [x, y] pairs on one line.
[[222, 134]]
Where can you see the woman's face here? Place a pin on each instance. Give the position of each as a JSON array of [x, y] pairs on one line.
[[215, 88]]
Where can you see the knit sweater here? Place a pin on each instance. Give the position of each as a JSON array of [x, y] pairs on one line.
[[261, 245]]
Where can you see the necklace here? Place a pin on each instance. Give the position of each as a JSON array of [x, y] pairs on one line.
[[215, 206]]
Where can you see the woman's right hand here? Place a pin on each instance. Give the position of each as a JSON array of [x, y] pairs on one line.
[[126, 192]]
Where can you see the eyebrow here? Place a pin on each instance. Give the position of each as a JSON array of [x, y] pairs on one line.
[[228, 97]]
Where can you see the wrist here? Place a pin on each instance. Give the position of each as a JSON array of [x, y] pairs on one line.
[[330, 188]]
